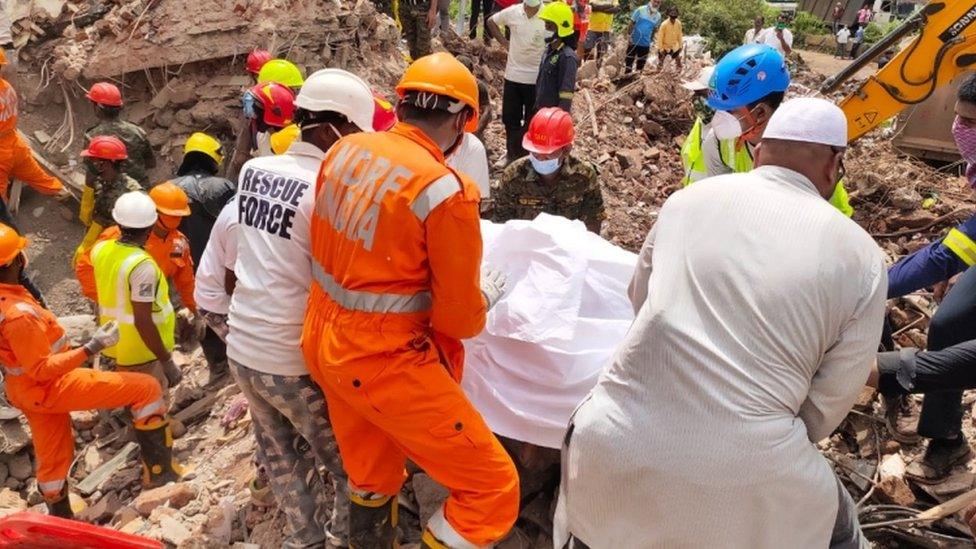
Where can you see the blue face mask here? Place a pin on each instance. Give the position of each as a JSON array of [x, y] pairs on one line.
[[544, 167], [248, 104]]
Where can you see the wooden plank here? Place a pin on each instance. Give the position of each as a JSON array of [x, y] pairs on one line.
[[954, 505], [69, 184], [106, 470], [197, 409]]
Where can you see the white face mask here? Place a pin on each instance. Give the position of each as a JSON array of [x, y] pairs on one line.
[[726, 126]]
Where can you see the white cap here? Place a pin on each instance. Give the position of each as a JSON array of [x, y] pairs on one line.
[[701, 82], [532, 3], [338, 91], [808, 120], [135, 210]]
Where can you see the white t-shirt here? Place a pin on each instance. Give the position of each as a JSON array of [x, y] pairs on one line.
[[219, 256], [753, 37], [843, 35], [770, 39], [143, 280], [275, 196], [470, 158], [526, 45]]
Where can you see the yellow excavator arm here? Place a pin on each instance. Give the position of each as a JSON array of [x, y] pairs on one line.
[[944, 48]]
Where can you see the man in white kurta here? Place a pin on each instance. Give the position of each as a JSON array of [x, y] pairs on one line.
[[759, 309]]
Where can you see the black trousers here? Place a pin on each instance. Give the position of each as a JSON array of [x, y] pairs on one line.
[[25, 280], [945, 369], [518, 107], [854, 49], [477, 7], [638, 54]]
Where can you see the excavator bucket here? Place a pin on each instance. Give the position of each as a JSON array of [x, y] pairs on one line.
[[37, 531], [925, 130]]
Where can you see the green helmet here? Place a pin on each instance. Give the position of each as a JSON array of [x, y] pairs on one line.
[[559, 14]]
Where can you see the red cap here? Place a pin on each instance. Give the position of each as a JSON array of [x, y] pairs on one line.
[[105, 93], [256, 59], [106, 147], [550, 130]]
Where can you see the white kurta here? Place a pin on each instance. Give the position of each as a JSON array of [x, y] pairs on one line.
[[762, 315]]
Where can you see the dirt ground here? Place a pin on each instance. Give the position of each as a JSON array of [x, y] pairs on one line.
[[828, 65]]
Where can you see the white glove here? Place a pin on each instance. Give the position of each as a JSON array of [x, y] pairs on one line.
[[493, 285], [106, 336]]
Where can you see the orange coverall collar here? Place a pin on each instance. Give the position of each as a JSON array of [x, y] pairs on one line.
[[418, 136], [14, 289]]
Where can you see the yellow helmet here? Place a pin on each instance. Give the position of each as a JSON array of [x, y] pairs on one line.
[[283, 72], [559, 14], [206, 144], [283, 138]]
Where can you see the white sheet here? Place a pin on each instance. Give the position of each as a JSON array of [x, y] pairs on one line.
[[549, 338]]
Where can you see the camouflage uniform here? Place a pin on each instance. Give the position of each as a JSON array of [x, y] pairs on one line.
[[413, 22], [287, 412], [136, 145], [106, 193], [575, 194]]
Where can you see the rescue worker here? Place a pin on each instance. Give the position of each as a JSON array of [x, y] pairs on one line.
[[396, 250], [45, 380], [207, 192], [106, 100], [551, 179], [747, 87], [556, 84], [255, 60], [691, 151], [268, 108], [133, 291], [273, 273], [167, 246], [17, 162], [417, 18], [105, 182]]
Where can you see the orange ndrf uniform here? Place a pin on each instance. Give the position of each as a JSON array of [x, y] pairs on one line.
[[16, 158], [43, 379], [171, 253], [396, 247]]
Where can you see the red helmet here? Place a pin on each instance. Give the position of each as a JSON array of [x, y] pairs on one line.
[[106, 94], [277, 102], [256, 59], [384, 116], [550, 130], [106, 147]]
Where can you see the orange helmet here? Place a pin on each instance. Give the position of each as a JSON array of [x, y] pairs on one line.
[[443, 75], [170, 199], [549, 130], [106, 147], [105, 94], [256, 59], [277, 102], [11, 244]]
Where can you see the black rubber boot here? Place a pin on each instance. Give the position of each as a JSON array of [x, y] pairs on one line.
[[156, 444], [372, 522], [60, 505]]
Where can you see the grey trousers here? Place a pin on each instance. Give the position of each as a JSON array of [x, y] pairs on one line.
[[285, 410]]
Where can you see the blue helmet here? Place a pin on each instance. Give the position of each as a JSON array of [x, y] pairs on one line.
[[746, 75]]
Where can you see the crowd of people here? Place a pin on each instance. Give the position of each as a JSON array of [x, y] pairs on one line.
[[335, 267]]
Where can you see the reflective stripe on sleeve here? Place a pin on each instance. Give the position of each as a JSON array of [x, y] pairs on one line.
[[12, 371], [961, 245], [434, 195], [154, 408], [369, 302]]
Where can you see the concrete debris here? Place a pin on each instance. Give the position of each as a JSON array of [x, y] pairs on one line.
[[102, 510], [11, 502], [20, 466], [14, 436], [176, 495], [106, 471], [137, 525]]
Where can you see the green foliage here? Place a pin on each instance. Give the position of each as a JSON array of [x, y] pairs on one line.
[[723, 23], [876, 32], [806, 24]]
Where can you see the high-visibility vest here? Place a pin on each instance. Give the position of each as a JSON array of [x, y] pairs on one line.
[[961, 245], [740, 161], [113, 263], [692, 156]]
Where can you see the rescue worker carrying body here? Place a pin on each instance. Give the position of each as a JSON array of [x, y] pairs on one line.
[[273, 273], [268, 108], [747, 87], [45, 380], [132, 290], [105, 182], [17, 162], [106, 100], [396, 250]]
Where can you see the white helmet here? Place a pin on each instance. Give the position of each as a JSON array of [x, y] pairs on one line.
[[135, 210], [338, 91]]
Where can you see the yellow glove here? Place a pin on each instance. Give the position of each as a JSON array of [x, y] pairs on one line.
[[87, 205]]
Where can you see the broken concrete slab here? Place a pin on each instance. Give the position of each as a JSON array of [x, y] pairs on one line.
[[175, 494], [20, 466], [93, 481], [104, 509], [13, 436]]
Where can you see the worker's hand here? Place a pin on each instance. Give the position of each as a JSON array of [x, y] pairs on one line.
[[493, 285], [432, 19], [940, 289], [172, 372], [105, 336]]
